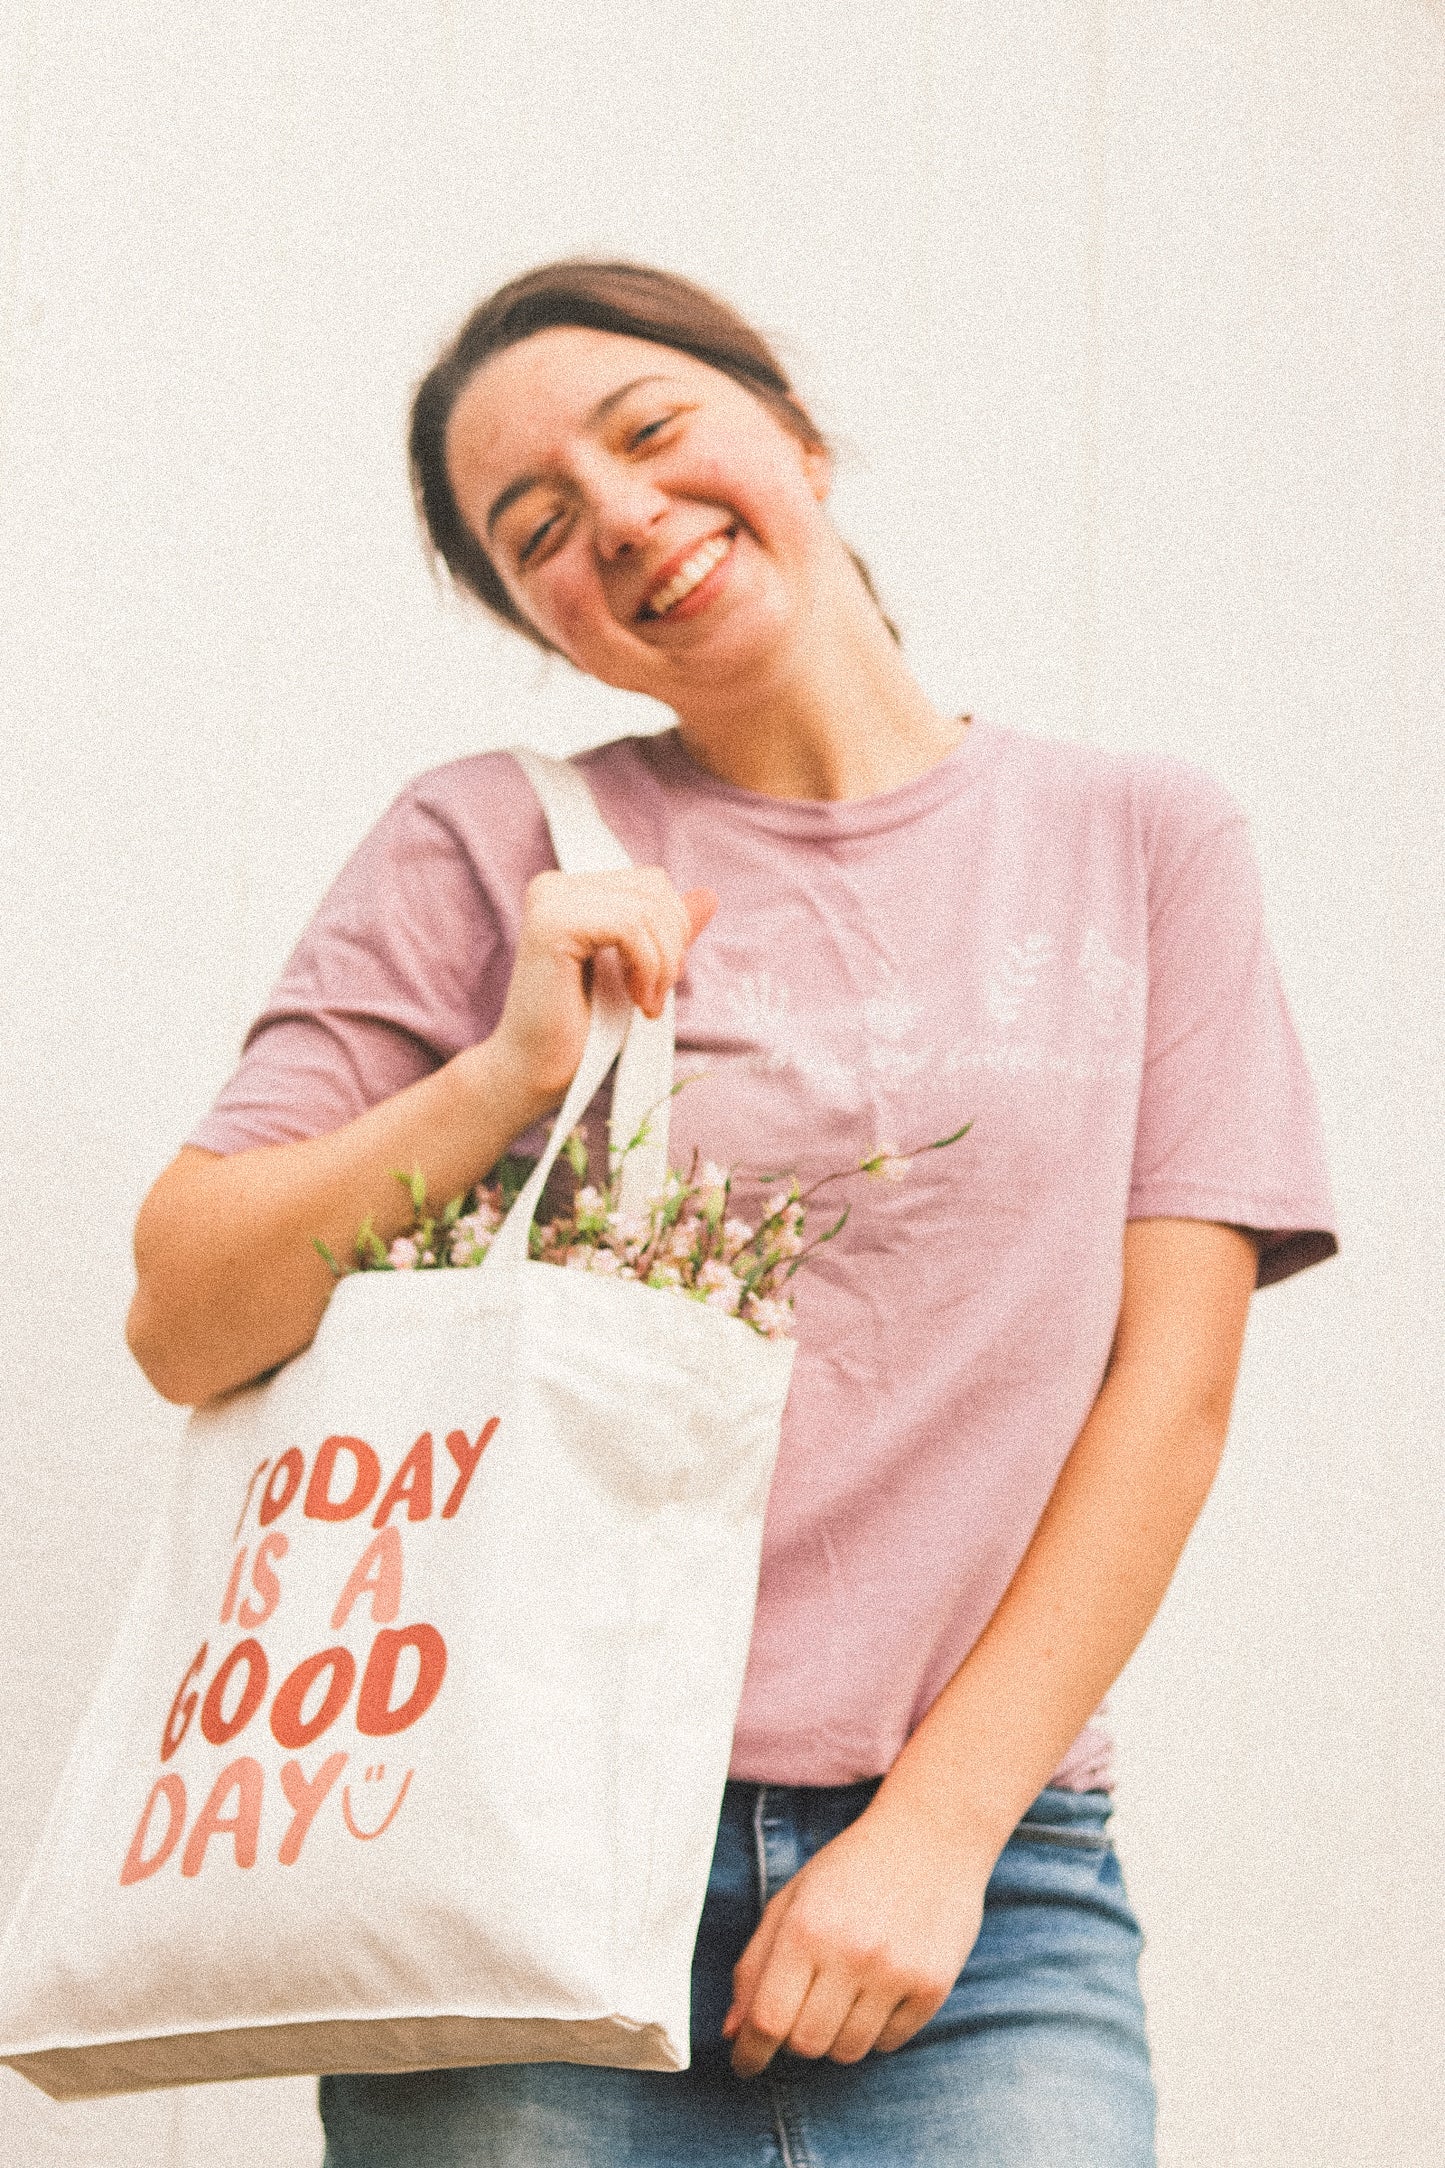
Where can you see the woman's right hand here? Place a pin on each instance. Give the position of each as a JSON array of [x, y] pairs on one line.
[[229, 1282], [568, 921]]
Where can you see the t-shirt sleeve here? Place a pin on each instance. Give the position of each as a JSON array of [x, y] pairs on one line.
[[1229, 1127], [404, 963]]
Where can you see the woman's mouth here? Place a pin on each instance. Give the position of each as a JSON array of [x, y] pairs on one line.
[[690, 574]]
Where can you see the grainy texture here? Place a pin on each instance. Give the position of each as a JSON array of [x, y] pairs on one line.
[[1134, 314]]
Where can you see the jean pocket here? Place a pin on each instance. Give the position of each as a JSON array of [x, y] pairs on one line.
[[1068, 1821], [1067, 1838]]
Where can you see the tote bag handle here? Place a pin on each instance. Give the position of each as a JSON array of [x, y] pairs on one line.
[[642, 1046]]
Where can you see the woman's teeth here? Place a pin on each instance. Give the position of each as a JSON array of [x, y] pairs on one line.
[[689, 575]]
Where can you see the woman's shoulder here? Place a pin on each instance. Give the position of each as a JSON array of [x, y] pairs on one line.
[[481, 812], [479, 791], [1157, 801], [473, 793]]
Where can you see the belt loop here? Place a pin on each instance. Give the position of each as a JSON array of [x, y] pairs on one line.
[[760, 1846]]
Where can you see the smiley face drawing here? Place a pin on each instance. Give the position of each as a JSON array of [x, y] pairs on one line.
[[376, 1774]]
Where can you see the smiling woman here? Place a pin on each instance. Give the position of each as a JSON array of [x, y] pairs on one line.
[[629, 300], [659, 529], [1013, 1375]]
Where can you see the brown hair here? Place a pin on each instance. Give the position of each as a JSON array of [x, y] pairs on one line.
[[630, 298]]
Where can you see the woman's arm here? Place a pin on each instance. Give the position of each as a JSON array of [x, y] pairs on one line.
[[864, 1944], [229, 1282]]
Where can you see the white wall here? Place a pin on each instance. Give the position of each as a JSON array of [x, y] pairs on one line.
[[1134, 313]]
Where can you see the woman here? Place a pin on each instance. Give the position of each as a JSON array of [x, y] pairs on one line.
[[1014, 1370]]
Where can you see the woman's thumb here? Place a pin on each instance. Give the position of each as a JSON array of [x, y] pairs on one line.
[[699, 903]]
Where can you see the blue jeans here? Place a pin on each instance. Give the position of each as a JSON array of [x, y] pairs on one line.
[[1037, 2060]]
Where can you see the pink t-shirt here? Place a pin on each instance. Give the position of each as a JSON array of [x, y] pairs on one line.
[[1062, 946]]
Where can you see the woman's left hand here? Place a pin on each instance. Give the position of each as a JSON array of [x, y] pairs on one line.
[[861, 1946]]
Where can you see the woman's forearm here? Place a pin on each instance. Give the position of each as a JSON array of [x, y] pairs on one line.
[[1104, 1551], [229, 1281], [863, 1945]]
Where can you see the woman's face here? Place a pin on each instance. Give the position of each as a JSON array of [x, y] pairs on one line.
[[647, 514]]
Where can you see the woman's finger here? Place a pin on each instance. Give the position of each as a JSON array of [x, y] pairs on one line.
[[645, 965], [638, 912], [907, 2018], [634, 918], [666, 927], [826, 2009], [772, 2010], [750, 1966], [673, 922], [863, 2026], [700, 904]]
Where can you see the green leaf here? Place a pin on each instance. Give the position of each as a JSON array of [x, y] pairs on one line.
[[803, 1255], [322, 1251], [941, 1143], [644, 1129]]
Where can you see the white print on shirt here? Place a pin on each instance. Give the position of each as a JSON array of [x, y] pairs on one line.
[[888, 1022], [1113, 986], [761, 1007], [890, 1046], [1110, 1000], [1016, 977], [759, 1004], [1006, 1059], [834, 1051]]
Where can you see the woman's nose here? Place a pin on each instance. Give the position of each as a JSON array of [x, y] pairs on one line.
[[626, 510]]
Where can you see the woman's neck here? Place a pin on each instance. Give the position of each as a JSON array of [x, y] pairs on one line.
[[840, 717]]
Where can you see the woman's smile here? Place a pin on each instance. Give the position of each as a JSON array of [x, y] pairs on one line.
[[683, 591]]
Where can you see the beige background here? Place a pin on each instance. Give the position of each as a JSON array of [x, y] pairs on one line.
[[1131, 314]]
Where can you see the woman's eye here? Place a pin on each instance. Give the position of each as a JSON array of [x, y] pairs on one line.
[[537, 537], [651, 429]]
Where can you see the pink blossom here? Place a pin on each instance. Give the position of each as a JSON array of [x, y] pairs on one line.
[[772, 1316], [590, 1204], [627, 1234], [727, 1264], [710, 1190], [471, 1237], [683, 1239], [736, 1236]]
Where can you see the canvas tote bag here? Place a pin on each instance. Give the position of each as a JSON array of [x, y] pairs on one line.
[[411, 1748]]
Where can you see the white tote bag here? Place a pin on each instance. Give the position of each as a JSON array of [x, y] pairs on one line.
[[411, 1748]]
